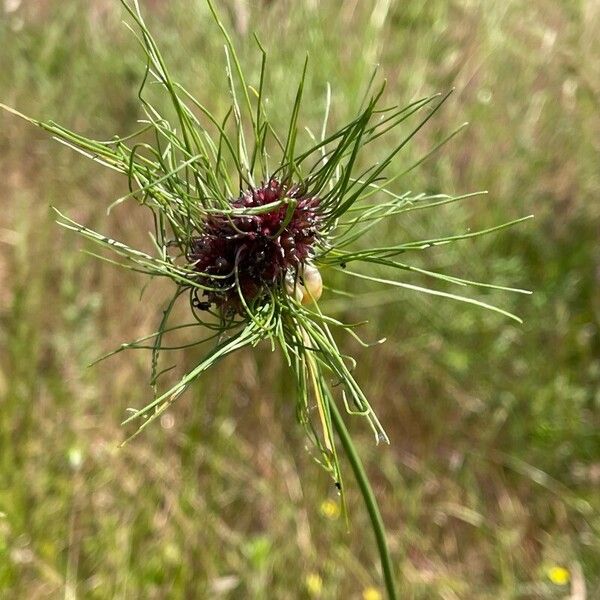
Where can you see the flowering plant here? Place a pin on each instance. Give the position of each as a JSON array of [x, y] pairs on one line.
[[248, 224]]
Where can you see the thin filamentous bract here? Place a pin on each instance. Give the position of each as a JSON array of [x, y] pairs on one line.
[[247, 223]]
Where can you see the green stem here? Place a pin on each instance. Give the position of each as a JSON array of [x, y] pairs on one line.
[[368, 497]]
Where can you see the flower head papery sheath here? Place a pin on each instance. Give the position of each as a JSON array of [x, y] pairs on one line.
[[248, 226]]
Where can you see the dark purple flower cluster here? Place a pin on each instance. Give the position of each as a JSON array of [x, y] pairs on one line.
[[252, 252]]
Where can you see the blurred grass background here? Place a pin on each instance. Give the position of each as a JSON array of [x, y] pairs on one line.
[[490, 488]]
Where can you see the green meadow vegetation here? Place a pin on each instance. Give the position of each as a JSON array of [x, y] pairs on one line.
[[490, 488]]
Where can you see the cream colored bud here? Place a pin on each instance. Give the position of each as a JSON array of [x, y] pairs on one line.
[[313, 284]]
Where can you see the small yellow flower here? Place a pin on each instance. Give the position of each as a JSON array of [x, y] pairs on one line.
[[330, 509], [559, 575], [371, 593], [314, 584]]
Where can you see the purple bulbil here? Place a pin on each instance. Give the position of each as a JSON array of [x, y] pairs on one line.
[[253, 252]]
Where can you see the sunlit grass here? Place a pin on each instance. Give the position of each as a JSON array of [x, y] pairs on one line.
[[462, 396]]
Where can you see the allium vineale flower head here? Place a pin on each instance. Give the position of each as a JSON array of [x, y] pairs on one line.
[[243, 256]]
